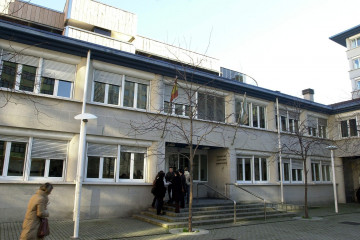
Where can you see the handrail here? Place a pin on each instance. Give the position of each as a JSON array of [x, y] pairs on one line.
[[204, 184], [251, 193]]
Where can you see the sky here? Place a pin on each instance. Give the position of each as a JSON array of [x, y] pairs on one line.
[[283, 44]]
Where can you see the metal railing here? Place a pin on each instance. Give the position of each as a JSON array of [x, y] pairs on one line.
[[251, 193], [204, 184]]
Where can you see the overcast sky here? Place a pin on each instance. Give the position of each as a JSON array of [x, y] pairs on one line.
[[283, 44]]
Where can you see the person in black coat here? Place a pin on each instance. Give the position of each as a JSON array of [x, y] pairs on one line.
[[183, 188], [169, 177], [159, 192], [176, 190]]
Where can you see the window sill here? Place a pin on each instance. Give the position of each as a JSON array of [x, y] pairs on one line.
[[31, 182], [125, 183], [117, 106]]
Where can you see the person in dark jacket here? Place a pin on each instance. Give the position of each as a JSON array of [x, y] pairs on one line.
[[176, 190], [153, 189], [159, 192], [183, 188], [169, 177]]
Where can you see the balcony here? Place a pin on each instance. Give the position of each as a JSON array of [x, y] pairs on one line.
[[99, 39]]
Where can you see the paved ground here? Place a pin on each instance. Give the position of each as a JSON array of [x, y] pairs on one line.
[[342, 226]]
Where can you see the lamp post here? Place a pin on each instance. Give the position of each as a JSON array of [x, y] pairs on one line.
[[332, 148], [84, 117]]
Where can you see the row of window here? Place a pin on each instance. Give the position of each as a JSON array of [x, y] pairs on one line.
[[349, 128], [256, 169], [32, 158]]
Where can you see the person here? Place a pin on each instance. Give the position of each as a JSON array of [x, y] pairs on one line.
[[176, 190], [37, 209], [159, 191], [187, 177], [153, 189], [183, 188], [169, 177]]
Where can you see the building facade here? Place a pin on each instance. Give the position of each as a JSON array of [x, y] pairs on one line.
[[139, 130]]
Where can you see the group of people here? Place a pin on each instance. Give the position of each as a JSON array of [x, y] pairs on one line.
[[177, 183]]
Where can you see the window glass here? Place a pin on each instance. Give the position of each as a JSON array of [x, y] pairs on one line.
[[142, 96], [294, 174], [108, 167], [125, 160], [262, 117], [237, 110], [99, 92], [47, 85], [184, 161], [356, 63], [64, 89], [247, 169], [283, 123], [167, 107], [114, 92], [138, 166], [240, 176], [37, 167], [8, 75], [254, 116], [27, 78], [220, 109], [201, 106], [358, 85], [129, 92], [56, 168], [344, 129], [286, 172], [203, 169], [263, 169], [187, 110], [178, 109], [353, 128], [210, 108], [196, 168], [93, 167], [2, 156], [17, 159], [316, 172], [257, 169], [174, 160]]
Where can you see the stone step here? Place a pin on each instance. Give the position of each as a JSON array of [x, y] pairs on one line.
[[183, 218], [166, 224], [215, 207], [185, 212]]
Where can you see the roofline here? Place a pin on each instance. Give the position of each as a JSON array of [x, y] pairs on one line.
[[340, 38], [60, 43]]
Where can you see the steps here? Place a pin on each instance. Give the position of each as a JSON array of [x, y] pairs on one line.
[[209, 211]]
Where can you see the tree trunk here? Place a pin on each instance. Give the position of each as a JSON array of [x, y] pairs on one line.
[[191, 189], [306, 191]]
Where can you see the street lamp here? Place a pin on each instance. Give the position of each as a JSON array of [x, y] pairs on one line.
[[332, 148], [84, 117]]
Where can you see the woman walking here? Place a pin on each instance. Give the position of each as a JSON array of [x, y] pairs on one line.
[[159, 192], [37, 209]]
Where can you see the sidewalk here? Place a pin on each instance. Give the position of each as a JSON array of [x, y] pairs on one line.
[[345, 225]]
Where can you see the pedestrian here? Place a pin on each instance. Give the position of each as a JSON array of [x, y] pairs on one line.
[[153, 189], [36, 210], [187, 177], [159, 191], [176, 190], [169, 177], [183, 188]]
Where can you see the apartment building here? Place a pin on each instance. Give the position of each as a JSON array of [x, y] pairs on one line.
[[54, 64]]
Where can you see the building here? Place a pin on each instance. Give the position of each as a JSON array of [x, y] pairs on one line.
[[45, 58]]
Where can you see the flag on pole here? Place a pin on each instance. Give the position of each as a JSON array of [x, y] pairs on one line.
[[174, 91], [244, 115]]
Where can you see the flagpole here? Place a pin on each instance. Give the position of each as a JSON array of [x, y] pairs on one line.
[[280, 157]]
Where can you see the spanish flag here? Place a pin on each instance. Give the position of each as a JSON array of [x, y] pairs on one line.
[[174, 91]]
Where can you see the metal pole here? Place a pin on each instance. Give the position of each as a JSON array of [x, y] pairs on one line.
[[280, 157], [234, 212], [334, 180], [81, 156]]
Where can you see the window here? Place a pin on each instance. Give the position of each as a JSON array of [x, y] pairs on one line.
[[135, 95], [356, 63], [51, 86], [349, 128], [355, 42], [27, 81], [211, 107], [254, 116], [106, 93], [320, 171], [181, 160], [12, 157], [46, 168], [358, 85], [317, 127], [180, 105], [101, 168], [292, 171], [132, 165], [252, 169], [8, 75], [288, 121]]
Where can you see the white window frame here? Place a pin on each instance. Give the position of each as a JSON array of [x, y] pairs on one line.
[[290, 162], [321, 164], [252, 169], [101, 167], [106, 96], [348, 127], [356, 59], [135, 95], [46, 173], [132, 159], [56, 88], [356, 39], [250, 113], [283, 171], [4, 174], [314, 173]]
